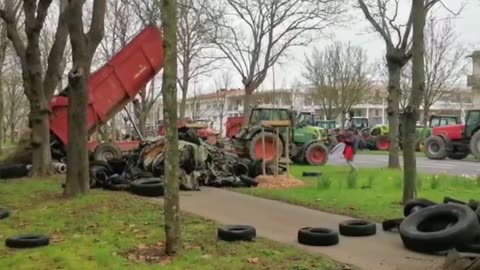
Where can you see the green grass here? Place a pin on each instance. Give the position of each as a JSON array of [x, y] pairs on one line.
[[376, 196], [97, 230], [418, 154]]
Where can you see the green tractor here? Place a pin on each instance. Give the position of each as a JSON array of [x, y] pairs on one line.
[[378, 138], [306, 141], [328, 125]]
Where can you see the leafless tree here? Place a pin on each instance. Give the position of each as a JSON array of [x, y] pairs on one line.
[[254, 34], [142, 106], [384, 17], [411, 112], [39, 84], [444, 62], [339, 75], [173, 230], [222, 85], [193, 26], [84, 46], [16, 107], [121, 23], [3, 52]]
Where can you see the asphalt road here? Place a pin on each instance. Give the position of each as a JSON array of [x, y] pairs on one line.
[[425, 165]]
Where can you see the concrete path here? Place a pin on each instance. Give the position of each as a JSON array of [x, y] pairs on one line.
[[280, 222], [424, 165]]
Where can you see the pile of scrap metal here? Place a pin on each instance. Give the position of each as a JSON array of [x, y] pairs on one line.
[[200, 164]]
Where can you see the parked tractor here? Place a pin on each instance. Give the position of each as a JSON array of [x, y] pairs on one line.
[[378, 138], [455, 141], [328, 125], [306, 145]]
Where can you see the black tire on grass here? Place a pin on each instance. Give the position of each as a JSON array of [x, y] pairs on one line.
[[236, 233], [357, 228], [391, 224], [311, 174], [148, 187], [27, 241], [418, 234], [317, 237]]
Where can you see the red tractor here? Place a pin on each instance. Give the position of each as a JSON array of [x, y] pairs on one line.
[[455, 141]]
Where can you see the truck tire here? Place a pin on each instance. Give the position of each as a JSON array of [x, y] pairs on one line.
[[106, 151], [382, 143], [457, 155], [255, 146], [231, 233], [435, 148], [317, 237], [316, 154], [418, 234], [475, 145]]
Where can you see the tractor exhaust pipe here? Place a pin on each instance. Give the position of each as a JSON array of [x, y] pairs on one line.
[[60, 167]]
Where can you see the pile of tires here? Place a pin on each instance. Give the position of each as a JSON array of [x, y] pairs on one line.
[[430, 227]]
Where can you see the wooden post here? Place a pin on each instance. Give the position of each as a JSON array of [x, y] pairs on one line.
[[264, 170], [277, 148], [287, 151]]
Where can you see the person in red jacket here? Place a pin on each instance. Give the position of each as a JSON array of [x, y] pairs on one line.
[[348, 138]]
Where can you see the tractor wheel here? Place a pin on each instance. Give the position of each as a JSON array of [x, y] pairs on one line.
[[256, 148], [382, 143], [457, 155], [435, 148], [106, 152], [475, 145], [316, 154]]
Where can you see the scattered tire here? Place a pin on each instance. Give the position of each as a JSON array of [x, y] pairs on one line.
[[391, 224], [117, 165], [316, 154], [459, 222], [435, 148], [13, 171], [256, 148], [236, 233], [27, 241], [415, 204], [148, 187], [311, 174], [457, 155], [4, 213], [317, 237], [475, 145], [106, 152], [357, 228]]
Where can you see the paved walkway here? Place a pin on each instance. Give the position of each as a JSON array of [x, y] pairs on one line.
[[280, 222]]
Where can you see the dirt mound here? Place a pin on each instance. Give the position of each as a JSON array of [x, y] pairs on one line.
[[281, 181]]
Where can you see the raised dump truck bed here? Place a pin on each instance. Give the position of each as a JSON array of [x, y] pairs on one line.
[[114, 85]]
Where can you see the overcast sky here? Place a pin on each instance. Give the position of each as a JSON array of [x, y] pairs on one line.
[[467, 27]]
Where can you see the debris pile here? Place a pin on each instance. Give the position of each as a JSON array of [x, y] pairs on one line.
[[281, 181], [200, 164]]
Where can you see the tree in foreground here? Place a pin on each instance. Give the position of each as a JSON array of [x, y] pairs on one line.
[[84, 46], [39, 84], [169, 88]]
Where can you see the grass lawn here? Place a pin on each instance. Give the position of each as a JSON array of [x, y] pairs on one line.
[[96, 231], [418, 154], [374, 195]]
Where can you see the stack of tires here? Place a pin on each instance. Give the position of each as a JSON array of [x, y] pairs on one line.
[[429, 227]]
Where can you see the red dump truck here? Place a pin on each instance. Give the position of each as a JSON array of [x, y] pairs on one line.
[[110, 89]]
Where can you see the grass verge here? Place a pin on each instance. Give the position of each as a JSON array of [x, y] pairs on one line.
[[97, 230], [374, 194], [418, 154]]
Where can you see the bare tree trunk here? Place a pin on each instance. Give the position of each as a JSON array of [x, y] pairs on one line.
[[40, 137], [426, 112], [248, 101], [169, 87], [342, 119], [1, 114], [183, 104], [83, 49], [411, 112], [393, 99], [142, 122]]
